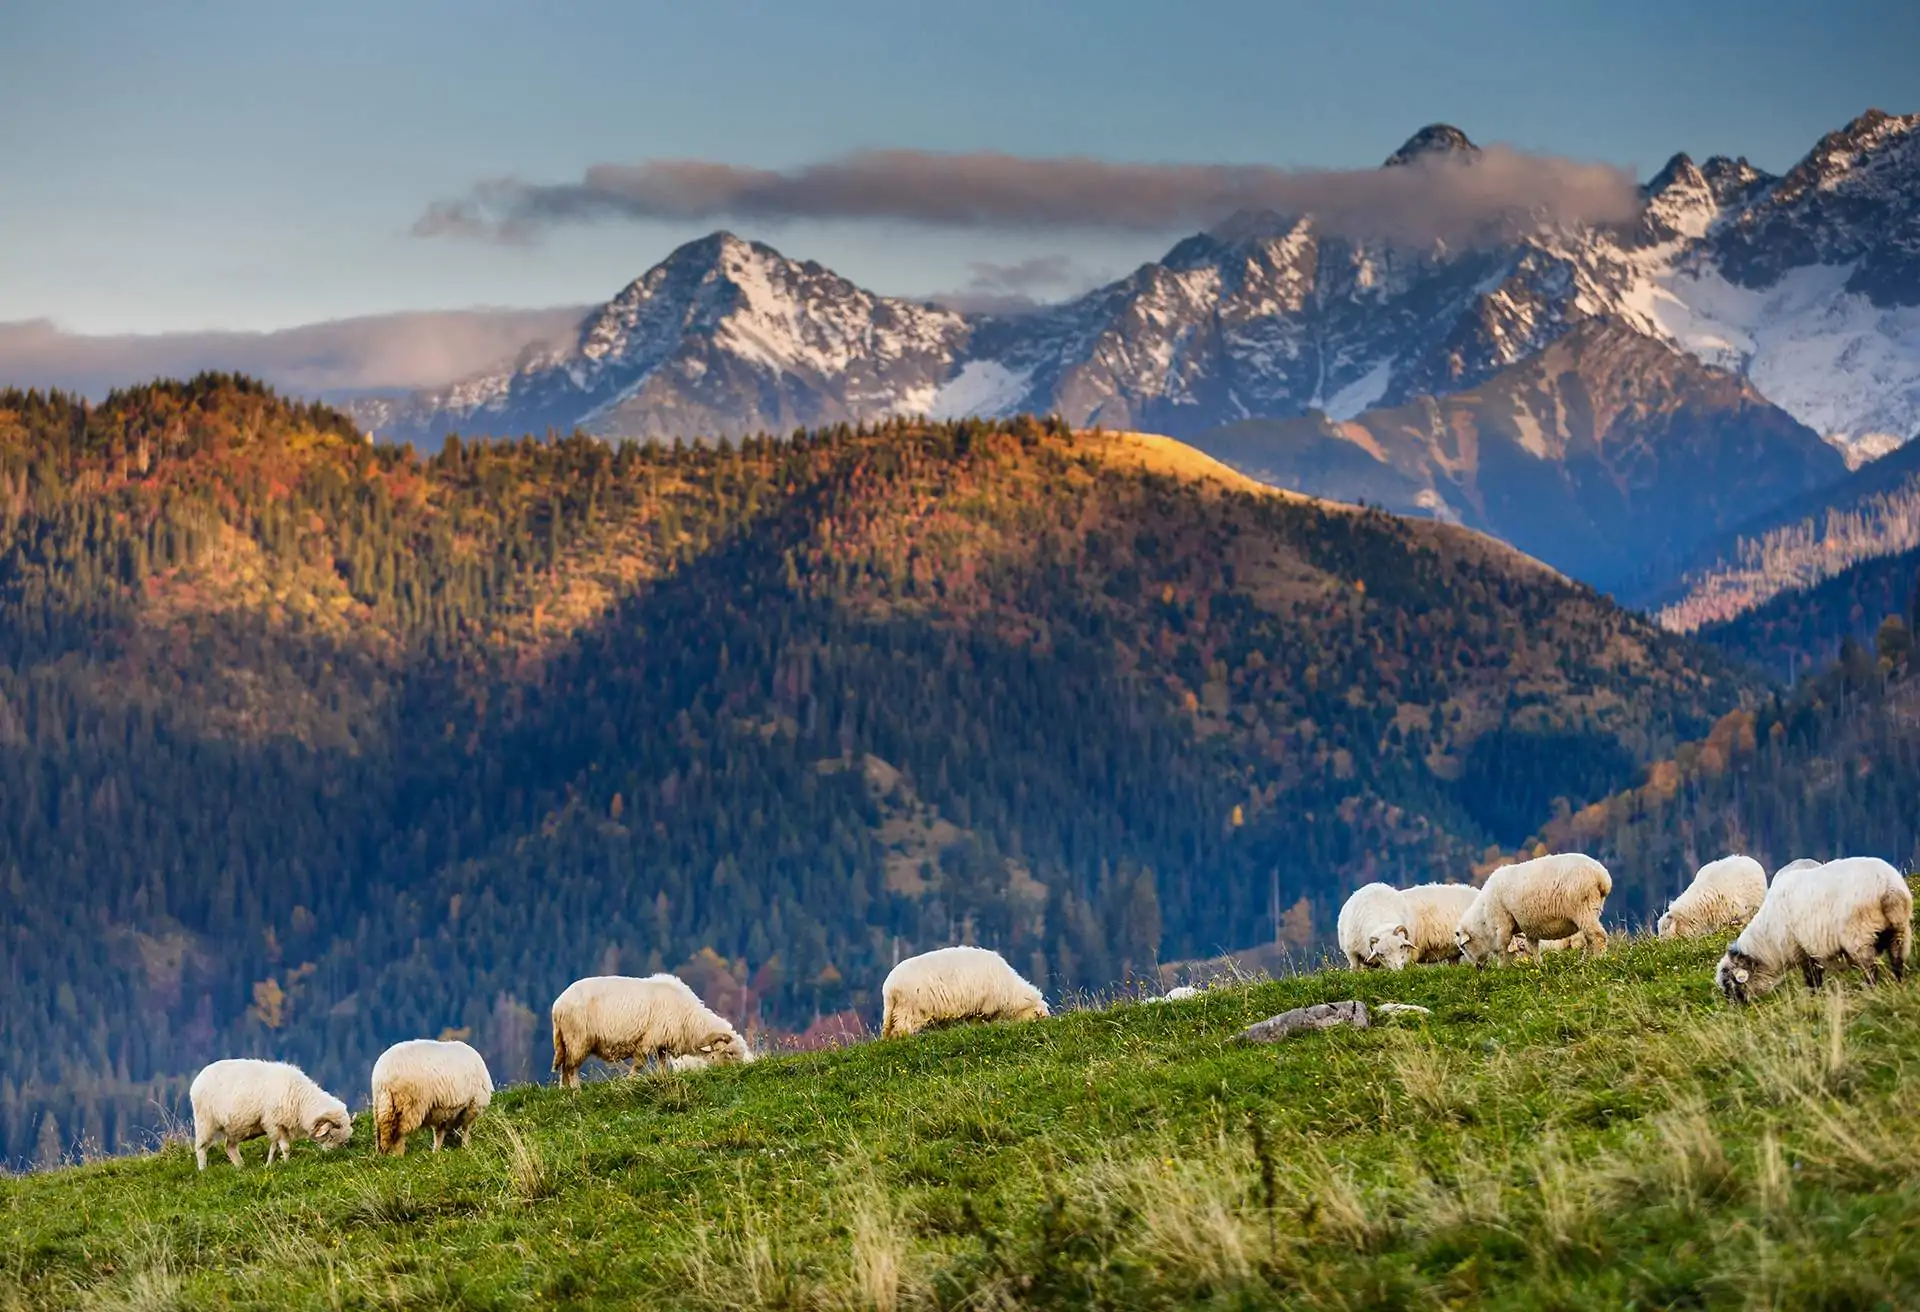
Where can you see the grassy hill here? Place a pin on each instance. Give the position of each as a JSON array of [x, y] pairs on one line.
[[308, 745], [1580, 1135]]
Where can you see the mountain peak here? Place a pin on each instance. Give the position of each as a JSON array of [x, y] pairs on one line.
[[1433, 140]]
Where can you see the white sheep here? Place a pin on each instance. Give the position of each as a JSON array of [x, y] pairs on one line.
[[1549, 897], [240, 1099], [1437, 909], [1723, 894], [1178, 993], [622, 1018], [955, 984], [1846, 912], [1376, 928], [437, 1083]]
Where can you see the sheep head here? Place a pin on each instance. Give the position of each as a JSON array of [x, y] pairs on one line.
[[725, 1046], [1665, 927], [1741, 976], [1389, 946], [332, 1129], [1475, 944]]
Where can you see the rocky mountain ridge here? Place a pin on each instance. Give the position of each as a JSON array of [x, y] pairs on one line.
[[1807, 284]]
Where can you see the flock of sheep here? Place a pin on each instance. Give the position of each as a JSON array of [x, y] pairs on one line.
[[1813, 915], [444, 1085]]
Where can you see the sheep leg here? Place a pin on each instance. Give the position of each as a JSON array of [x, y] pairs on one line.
[[233, 1152], [1864, 959], [273, 1146], [202, 1140], [1813, 972], [439, 1136], [1594, 938]]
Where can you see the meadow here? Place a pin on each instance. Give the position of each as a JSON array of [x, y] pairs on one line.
[[1576, 1134]]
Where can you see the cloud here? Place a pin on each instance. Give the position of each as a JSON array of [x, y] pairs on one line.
[[389, 351], [1451, 197], [1017, 287]]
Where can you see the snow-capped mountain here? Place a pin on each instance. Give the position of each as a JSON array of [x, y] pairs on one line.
[[723, 337], [1808, 285]]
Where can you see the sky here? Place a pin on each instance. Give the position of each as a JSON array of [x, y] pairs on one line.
[[236, 165]]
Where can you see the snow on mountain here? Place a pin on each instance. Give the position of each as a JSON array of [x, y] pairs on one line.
[[1846, 368], [1807, 284]]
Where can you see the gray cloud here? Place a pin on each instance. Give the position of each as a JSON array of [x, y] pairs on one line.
[[398, 351], [1017, 287], [1446, 197]]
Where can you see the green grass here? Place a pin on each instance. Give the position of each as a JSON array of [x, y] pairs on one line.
[[1601, 1134]]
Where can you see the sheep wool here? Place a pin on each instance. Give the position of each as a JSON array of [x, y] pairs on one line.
[[441, 1084], [240, 1099], [1437, 909], [1846, 912], [955, 984], [1549, 897], [1376, 929], [1723, 894], [623, 1018]]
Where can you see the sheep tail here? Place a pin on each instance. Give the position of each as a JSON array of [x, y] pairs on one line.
[[386, 1122], [1899, 935]]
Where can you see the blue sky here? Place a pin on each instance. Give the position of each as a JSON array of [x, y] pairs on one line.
[[220, 163]]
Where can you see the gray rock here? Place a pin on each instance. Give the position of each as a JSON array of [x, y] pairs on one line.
[[1320, 1016]]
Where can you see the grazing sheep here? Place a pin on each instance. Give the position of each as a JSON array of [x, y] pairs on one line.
[[1376, 929], [1437, 909], [1723, 893], [1179, 993], [1548, 897], [431, 1082], [621, 1018], [1846, 912], [240, 1099], [955, 984]]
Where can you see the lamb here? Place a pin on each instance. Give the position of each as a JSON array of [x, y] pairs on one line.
[[440, 1084], [621, 1018], [955, 984], [1437, 909], [1376, 928], [241, 1098], [1723, 894], [1549, 897], [1844, 912]]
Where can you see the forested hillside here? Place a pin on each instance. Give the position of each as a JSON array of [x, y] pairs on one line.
[[1873, 514], [1832, 769], [1799, 631], [308, 745]]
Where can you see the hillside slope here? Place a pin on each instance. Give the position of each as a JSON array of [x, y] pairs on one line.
[[311, 745], [1608, 455], [1872, 513], [1591, 1135]]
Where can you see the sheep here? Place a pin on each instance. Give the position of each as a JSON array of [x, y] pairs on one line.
[[1844, 912], [1437, 909], [1723, 894], [241, 1098], [621, 1018], [1376, 928], [954, 984], [1179, 993], [437, 1083], [1548, 897]]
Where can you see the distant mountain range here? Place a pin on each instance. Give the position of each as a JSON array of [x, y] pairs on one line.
[[1739, 316]]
